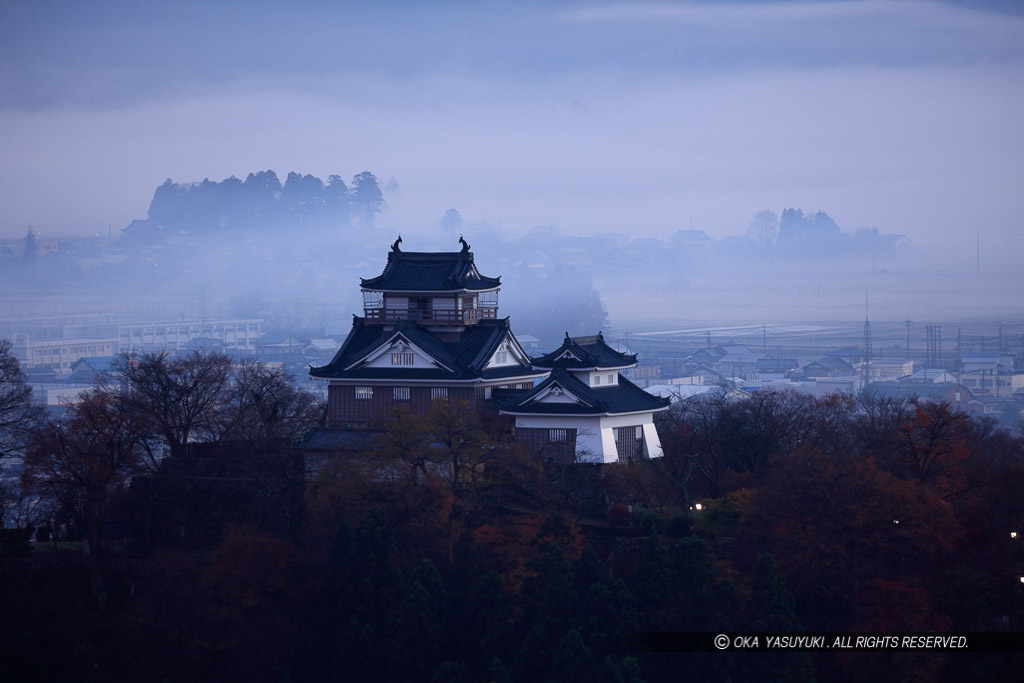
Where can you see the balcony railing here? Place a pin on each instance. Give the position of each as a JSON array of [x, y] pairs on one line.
[[468, 316]]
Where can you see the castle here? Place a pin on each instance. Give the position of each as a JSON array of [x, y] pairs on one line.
[[430, 331]]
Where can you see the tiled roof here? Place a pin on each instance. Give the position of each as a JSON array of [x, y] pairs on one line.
[[938, 391], [464, 359], [831, 363], [779, 364], [625, 397], [584, 352], [417, 271], [97, 363]]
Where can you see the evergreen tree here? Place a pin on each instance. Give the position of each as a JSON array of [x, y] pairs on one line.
[[484, 628], [367, 198], [704, 594], [771, 609], [549, 611], [365, 584], [303, 199], [574, 661], [338, 201], [419, 633], [262, 191], [30, 253], [608, 615], [497, 673], [654, 586]]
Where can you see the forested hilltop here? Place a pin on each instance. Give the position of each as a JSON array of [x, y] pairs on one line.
[[260, 203]]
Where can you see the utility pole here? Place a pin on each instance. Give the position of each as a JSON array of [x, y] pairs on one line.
[[866, 363]]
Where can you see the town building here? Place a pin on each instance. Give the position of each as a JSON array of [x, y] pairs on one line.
[[989, 374]]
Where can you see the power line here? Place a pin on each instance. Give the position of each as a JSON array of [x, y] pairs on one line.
[[52, 227]]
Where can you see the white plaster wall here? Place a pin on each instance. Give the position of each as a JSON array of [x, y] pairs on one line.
[[595, 436], [652, 442], [589, 438], [610, 452]]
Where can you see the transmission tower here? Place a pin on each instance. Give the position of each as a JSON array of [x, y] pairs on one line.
[[866, 362], [908, 324], [934, 336]]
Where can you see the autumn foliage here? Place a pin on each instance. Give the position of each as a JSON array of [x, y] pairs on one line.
[[441, 551]]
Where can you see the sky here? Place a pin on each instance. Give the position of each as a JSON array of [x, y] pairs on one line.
[[640, 118]]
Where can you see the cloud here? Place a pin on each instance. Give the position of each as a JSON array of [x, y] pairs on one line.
[[619, 117]]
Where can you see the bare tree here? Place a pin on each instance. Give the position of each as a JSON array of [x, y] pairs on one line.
[[85, 462], [18, 414], [180, 395], [17, 411], [764, 229], [259, 403]]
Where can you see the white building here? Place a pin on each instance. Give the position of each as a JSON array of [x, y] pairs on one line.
[[586, 411]]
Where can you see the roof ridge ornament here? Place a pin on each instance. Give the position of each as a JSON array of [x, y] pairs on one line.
[[463, 242], [394, 247]]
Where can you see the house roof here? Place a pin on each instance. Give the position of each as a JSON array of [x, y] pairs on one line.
[[775, 364], [466, 358], [585, 352], [418, 271], [95, 363], [624, 397], [323, 344], [938, 391], [281, 339], [737, 353], [830, 363], [848, 352], [701, 370], [678, 391], [927, 375]]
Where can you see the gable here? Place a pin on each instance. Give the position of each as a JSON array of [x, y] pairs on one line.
[[507, 354], [398, 352], [556, 394]]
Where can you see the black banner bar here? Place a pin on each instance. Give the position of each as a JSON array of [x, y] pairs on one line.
[[1001, 641]]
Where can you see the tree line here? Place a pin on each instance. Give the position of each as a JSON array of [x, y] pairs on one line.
[[262, 202], [813, 235]]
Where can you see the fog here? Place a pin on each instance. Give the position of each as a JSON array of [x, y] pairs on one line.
[[635, 120]]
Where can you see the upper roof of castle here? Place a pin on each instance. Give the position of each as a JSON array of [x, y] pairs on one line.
[[421, 271]]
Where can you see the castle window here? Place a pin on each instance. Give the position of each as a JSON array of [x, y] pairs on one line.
[[501, 355], [597, 380], [364, 393], [400, 393], [439, 393], [402, 359], [558, 435]]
